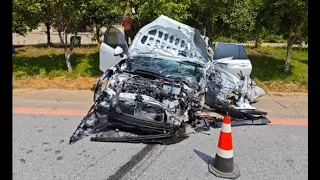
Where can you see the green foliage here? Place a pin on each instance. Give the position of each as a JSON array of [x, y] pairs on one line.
[[240, 20], [66, 15], [24, 16], [103, 13], [273, 38], [288, 17], [148, 11], [225, 39], [229, 18], [45, 10]]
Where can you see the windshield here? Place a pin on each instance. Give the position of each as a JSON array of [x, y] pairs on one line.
[[186, 71]]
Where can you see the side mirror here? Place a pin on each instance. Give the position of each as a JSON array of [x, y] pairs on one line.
[[118, 51]]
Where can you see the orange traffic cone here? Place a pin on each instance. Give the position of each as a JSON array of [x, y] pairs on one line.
[[223, 165]]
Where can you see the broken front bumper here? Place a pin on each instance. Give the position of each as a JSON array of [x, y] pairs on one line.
[[113, 122]]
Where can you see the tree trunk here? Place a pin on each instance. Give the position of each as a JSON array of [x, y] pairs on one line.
[[287, 63], [61, 39], [290, 41], [48, 33], [66, 39], [98, 35], [65, 49], [67, 55], [257, 41]]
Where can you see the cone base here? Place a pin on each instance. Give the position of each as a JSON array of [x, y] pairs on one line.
[[232, 175]]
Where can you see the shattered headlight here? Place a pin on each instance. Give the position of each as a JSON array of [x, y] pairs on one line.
[[114, 100]]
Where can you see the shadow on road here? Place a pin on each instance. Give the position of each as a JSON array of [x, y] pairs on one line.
[[206, 158]]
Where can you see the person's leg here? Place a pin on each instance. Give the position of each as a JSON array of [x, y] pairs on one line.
[[131, 34], [126, 36]]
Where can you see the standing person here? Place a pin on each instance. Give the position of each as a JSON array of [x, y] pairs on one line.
[[127, 26]]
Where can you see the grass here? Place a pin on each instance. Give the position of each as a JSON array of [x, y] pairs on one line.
[[45, 67], [50, 62], [268, 64]]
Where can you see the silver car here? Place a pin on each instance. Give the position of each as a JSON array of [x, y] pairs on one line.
[[169, 78]]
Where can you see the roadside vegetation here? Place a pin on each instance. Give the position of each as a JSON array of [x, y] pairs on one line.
[[44, 67], [267, 71], [242, 21], [254, 21]]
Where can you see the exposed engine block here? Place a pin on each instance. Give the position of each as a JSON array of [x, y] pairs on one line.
[[177, 97]]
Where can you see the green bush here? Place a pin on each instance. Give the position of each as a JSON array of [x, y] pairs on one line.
[[225, 39], [273, 38]]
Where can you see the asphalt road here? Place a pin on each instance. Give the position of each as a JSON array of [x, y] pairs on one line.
[[41, 149]]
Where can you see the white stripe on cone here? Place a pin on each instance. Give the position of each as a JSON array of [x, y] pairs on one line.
[[226, 128], [225, 153]]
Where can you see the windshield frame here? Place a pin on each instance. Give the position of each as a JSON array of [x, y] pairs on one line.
[[201, 45], [199, 67]]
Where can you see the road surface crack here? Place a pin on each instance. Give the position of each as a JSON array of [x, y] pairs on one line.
[[281, 104]]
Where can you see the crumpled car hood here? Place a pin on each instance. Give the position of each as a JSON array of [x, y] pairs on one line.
[[168, 37]]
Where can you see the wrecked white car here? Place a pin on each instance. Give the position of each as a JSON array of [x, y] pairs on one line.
[[169, 78]]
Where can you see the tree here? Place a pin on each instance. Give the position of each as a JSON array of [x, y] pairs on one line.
[[66, 19], [240, 19], [231, 18], [259, 30], [147, 11], [103, 13], [46, 14], [28, 14], [24, 16], [289, 18]]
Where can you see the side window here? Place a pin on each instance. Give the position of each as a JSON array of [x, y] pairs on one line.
[[114, 37], [223, 50]]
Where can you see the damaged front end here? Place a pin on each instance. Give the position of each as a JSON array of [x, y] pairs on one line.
[[127, 117], [132, 108]]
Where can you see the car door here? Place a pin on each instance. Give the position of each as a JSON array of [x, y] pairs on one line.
[[240, 62], [113, 37]]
